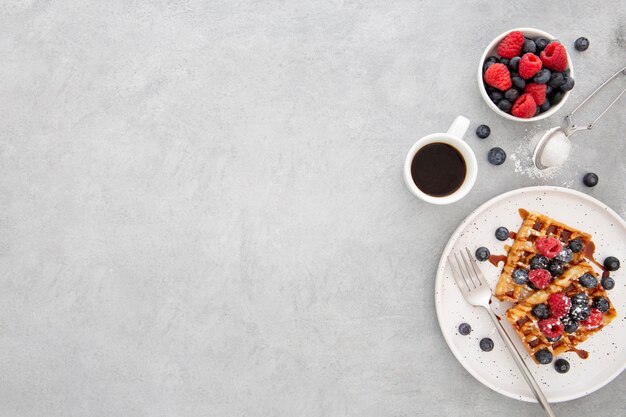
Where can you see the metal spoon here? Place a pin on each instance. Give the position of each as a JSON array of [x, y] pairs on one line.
[[554, 147]]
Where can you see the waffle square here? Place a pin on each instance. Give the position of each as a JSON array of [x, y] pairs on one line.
[[525, 325], [534, 226]]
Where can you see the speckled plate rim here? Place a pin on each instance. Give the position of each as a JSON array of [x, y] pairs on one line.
[[440, 275]]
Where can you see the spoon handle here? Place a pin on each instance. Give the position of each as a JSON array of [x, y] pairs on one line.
[[571, 126]]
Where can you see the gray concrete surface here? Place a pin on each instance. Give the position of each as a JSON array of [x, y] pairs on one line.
[[202, 210]]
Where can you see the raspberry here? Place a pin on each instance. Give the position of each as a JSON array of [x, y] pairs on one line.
[[548, 246], [594, 320], [540, 278], [511, 45], [538, 91], [559, 304], [524, 107], [551, 327], [529, 65], [498, 76], [554, 57]]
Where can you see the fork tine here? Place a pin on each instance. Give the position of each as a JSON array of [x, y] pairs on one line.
[[469, 271], [466, 278], [477, 272], [458, 277]]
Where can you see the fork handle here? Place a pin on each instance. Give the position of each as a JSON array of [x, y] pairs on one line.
[[528, 376]]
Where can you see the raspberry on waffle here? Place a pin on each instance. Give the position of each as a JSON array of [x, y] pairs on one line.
[[534, 226], [525, 323]]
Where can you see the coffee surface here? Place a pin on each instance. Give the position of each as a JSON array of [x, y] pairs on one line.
[[438, 169]]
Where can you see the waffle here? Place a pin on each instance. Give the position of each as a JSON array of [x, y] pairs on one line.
[[525, 323], [534, 226]]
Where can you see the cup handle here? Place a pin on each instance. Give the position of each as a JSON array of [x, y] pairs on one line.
[[459, 127]]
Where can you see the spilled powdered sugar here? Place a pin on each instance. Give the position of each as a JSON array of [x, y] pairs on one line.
[[522, 158]]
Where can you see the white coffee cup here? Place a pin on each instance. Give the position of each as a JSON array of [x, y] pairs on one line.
[[453, 138]]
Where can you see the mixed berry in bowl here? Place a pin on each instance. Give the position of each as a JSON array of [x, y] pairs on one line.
[[525, 75]]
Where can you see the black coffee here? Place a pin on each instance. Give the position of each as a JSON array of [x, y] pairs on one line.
[[438, 169]]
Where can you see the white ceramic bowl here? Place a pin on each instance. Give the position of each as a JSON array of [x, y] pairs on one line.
[[491, 50]]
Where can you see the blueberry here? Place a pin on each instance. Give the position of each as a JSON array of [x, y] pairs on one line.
[[529, 46], [568, 84], [465, 329], [505, 106], [542, 77], [557, 79], [492, 59], [561, 366], [541, 311], [545, 106], [590, 179], [482, 254], [556, 98], [496, 96], [580, 299], [553, 339], [504, 61], [539, 262], [511, 94], [514, 63], [483, 131], [556, 268], [549, 90], [588, 281], [486, 65], [502, 233], [608, 283], [541, 44], [575, 245], [543, 356], [579, 312], [496, 156], [537, 110], [518, 81], [611, 263], [486, 344], [569, 325], [565, 255], [520, 276], [581, 44], [601, 303]]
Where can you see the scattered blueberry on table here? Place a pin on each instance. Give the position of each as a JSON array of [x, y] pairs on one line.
[[581, 44], [611, 263], [482, 254], [590, 179], [502, 233], [561, 366], [496, 156], [486, 344], [483, 131], [465, 329]]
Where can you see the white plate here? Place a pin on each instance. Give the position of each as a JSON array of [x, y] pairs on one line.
[[496, 369]]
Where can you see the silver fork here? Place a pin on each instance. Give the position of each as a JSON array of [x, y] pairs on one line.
[[476, 291]]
